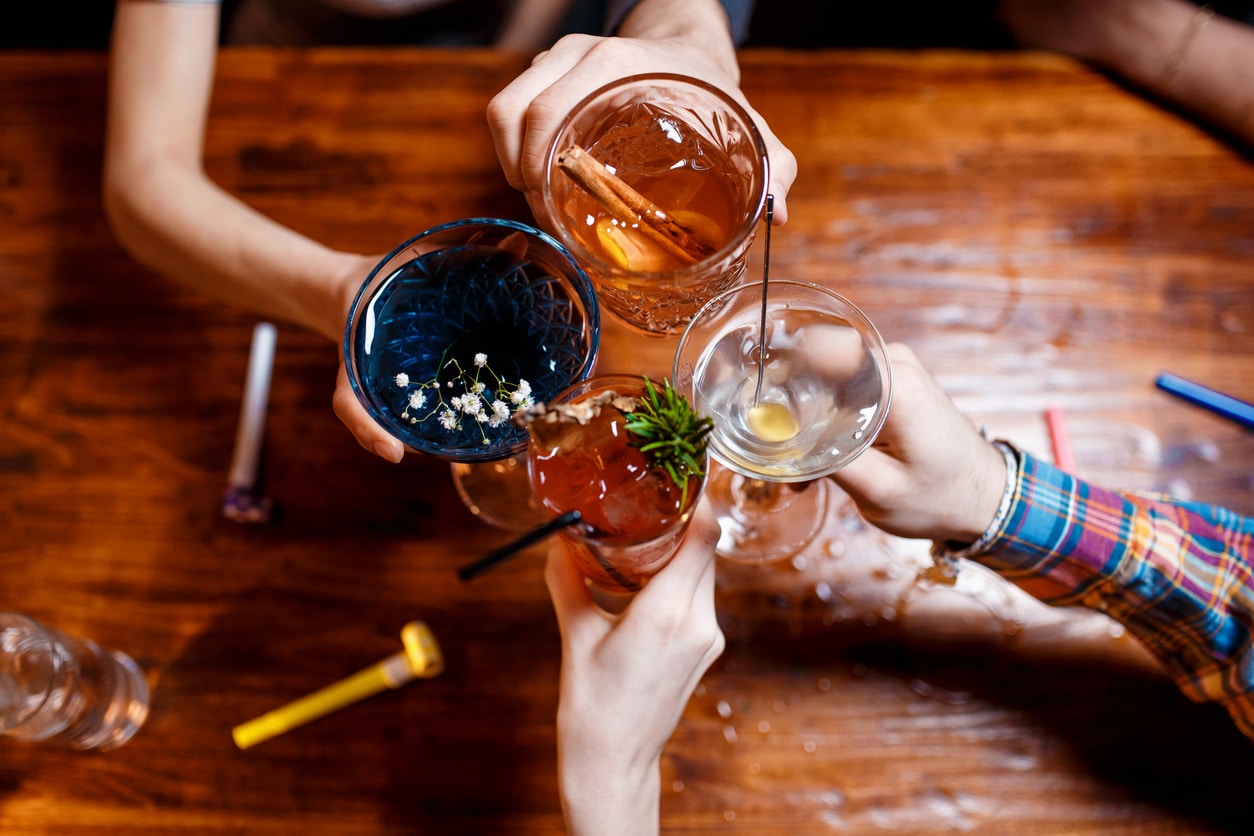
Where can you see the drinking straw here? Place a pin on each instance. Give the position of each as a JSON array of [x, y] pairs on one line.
[[243, 501], [1238, 410], [420, 658], [1060, 439], [511, 548]]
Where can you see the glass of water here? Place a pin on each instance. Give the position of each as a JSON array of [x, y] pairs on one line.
[[65, 690]]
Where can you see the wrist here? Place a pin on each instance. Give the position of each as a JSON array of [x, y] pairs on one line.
[[699, 24], [994, 493], [346, 273], [611, 798]]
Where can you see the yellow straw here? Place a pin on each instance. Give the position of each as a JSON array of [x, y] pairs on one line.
[[420, 658]]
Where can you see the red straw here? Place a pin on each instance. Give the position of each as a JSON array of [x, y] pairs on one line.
[[1060, 439]]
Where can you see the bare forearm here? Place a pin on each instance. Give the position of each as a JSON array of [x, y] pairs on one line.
[[183, 226], [1201, 61], [626, 803], [1171, 48], [700, 23], [167, 212]]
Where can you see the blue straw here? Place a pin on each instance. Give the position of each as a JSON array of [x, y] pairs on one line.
[[1238, 410]]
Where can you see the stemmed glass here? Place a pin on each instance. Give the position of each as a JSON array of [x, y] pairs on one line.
[[786, 413], [458, 328]]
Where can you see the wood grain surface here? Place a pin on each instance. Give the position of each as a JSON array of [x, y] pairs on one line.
[[1039, 234]]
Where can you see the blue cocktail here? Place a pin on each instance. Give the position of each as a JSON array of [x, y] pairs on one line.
[[462, 325]]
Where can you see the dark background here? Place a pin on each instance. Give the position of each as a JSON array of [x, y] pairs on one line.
[[794, 23], [801, 24]]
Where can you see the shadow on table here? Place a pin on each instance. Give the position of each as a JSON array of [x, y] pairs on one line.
[[1112, 716]]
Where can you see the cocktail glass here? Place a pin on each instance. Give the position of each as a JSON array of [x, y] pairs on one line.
[[695, 156], [826, 383], [633, 514], [458, 328]]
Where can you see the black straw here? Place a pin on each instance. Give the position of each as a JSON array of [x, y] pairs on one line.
[[507, 551], [766, 272]]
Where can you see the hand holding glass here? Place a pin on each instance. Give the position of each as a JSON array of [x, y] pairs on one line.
[[633, 514], [458, 328], [808, 404], [656, 183]]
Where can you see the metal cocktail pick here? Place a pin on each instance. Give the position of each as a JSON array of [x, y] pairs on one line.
[[766, 272], [769, 420]]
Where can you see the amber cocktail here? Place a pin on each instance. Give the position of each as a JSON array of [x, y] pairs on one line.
[[656, 184]]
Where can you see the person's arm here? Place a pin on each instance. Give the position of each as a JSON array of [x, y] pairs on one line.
[[170, 216], [739, 16], [1178, 51], [625, 680], [688, 37], [1179, 576]]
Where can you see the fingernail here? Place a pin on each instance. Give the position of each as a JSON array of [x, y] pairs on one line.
[[391, 452]]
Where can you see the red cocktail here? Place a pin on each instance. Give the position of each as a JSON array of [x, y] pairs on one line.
[[629, 455]]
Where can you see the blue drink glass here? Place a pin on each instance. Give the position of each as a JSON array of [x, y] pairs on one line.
[[481, 289]]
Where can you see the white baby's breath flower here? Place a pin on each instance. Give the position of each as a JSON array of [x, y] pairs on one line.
[[470, 401], [522, 394], [500, 413]]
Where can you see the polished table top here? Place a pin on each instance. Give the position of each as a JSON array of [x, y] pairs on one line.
[[1039, 234]]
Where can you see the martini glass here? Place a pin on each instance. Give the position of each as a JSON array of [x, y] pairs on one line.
[[458, 328], [802, 408]]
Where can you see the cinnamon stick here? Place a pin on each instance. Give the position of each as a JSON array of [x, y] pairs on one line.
[[629, 206]]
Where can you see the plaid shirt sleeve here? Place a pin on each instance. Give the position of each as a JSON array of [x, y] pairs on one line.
[[1178, 575]]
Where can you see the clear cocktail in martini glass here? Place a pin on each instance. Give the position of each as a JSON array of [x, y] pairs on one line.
[[787, 411]]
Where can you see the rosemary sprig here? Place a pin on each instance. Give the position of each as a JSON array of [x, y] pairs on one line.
[[671, 433]]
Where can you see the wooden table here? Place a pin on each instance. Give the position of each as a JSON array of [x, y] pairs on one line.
[[1038, 233]]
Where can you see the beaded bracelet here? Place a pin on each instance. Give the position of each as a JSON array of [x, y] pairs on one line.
[[945, 553]]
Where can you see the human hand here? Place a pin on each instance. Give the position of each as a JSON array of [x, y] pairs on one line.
[[661, 36], [929, 473], [626, 679], [368, 432]]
